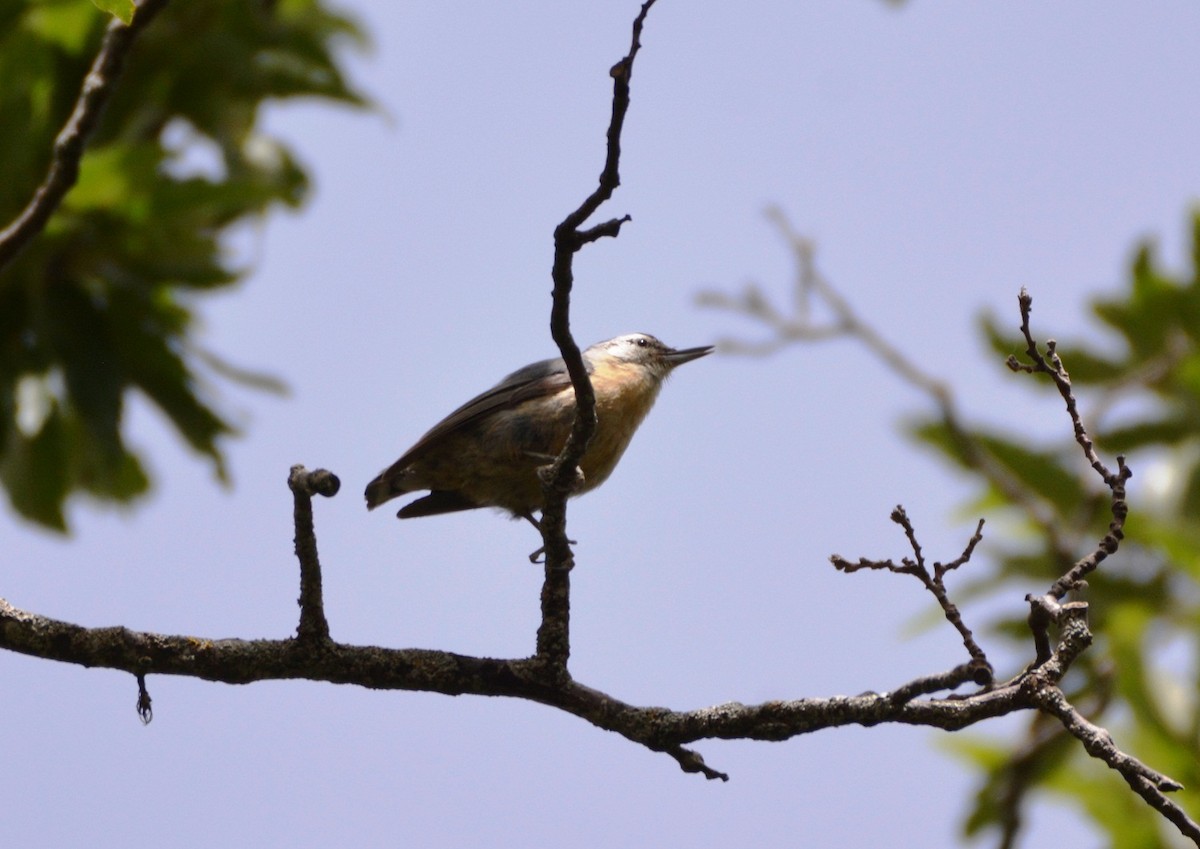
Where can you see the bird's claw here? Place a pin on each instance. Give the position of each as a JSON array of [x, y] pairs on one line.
[[534, 555], [544, 473]]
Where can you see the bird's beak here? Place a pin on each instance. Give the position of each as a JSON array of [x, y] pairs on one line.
[[686, 355]]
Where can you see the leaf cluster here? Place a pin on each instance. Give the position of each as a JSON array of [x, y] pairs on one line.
[[103, 301]]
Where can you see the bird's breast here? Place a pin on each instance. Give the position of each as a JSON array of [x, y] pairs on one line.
[[624, 395]]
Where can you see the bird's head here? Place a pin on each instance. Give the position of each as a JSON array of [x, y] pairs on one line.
[[644, 350]]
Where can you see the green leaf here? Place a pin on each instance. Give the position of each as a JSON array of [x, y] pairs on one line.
[[76, 328], [122, 9], [153, 365], [71, 27], [103, 301], [34, 472], [1040, 471], [1167, 431], [100, 471]]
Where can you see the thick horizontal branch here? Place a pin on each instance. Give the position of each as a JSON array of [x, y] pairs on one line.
[[233, 661]]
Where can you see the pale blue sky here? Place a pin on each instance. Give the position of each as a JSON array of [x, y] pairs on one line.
[[942, 156]]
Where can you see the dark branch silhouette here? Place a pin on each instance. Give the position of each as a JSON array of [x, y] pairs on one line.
[[980, 669], [312, 655], [553, 637], [304, 485]]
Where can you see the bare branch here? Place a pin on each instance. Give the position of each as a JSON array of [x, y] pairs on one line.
[[312, 656], [1147, 783], [657, 728], [237, 661], [1052, 365], [981, 669], [304, 484], [1046, 741], [553, 638], [1050, 665], [68, 149], [949, 680]]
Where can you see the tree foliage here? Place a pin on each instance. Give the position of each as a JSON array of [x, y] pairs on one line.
[[1142, 678], [102, 302]]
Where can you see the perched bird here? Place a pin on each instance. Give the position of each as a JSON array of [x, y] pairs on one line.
[[487, 452]]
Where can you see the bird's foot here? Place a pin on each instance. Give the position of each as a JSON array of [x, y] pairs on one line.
[[544, 473], [536, 556], [533, 556]]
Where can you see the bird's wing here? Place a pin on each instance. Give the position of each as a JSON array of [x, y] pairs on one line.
[[538, 380]]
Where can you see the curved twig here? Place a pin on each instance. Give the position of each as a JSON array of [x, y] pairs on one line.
[[553, 637]]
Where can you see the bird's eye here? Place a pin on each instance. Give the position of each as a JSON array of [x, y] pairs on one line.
[[642, 341]]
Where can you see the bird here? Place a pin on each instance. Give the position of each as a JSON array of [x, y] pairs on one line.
[[488, 451]]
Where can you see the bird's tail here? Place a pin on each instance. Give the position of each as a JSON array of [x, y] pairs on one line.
[[435, 503], [379, 491]]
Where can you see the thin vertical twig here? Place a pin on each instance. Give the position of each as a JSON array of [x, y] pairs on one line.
[[553, 637]]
